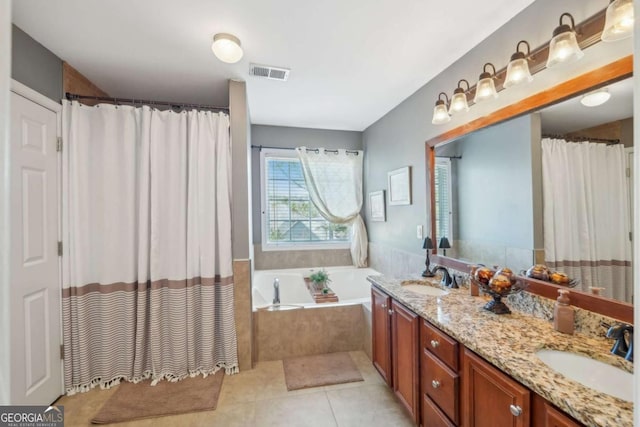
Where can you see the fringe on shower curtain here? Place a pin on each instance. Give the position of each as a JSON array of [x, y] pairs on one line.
[[147, 269]]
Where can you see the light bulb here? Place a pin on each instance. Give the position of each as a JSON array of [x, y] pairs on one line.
[[440, 114], [458, 103], [619, 21]]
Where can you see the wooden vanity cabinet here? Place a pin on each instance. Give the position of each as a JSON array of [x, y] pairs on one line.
[[544, 414], [439, 377], [490, 398], [405, 358], [395, 350], [443, 384], [381, 333]]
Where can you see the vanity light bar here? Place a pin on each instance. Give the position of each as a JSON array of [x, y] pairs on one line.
[[588, 33]]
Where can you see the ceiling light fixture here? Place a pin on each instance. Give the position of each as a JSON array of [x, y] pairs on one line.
[[459, 99], [618, 23], [440, 113], [486, 89], [518, 68], [595, 98], [563, 47], [227, 48]]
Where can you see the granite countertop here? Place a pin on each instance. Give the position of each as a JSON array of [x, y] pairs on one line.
[[510, 341]]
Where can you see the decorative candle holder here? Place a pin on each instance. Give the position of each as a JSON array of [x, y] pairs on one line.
[[496, 305]]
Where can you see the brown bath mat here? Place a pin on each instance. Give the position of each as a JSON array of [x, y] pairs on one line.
[[319, 370], [134, 401]]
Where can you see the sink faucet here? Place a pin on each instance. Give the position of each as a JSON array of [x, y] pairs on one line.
[[447, 279], [276, 291], [623, 334]]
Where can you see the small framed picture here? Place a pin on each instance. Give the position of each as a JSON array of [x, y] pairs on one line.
[[376, 204], [399, 182]]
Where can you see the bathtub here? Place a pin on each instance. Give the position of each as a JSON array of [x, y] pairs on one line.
[[349, 284], [301, 327]]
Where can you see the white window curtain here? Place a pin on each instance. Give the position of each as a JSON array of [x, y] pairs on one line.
[[334, 182], [147, 267], [586, 214]]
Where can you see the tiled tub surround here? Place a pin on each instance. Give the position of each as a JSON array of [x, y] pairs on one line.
[[510, 341], [268, 260], [304, 327], [395, 262], [305, 331]]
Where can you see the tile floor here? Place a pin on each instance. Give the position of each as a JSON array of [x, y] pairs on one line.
[[259, 397]]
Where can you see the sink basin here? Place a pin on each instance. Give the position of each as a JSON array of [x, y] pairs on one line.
[[424, 290], [590, 372]]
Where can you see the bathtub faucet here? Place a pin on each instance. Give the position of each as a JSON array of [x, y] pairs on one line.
[[276, 291]]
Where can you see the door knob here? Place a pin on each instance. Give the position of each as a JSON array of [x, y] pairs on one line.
[[515, 410], [435, 383]]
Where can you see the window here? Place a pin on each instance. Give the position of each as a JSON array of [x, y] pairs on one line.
[[289, 218], [444, 227]]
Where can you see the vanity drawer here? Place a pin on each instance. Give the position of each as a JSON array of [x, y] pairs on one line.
[[432, 416], [440, 344], [441, 385]]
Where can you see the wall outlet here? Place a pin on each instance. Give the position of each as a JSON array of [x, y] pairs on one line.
[[419, 232]]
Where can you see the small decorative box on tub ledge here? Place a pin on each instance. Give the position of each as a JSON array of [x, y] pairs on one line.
[[318, 285]]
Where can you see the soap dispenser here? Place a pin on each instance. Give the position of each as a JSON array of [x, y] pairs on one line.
[[563, 314]]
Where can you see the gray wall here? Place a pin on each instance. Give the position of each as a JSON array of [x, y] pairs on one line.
[[398, 138], [241, 169], [494, 183], [288, 137], [35, 66]]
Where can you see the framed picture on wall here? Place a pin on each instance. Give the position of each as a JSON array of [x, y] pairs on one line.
[[399, 182], [376, 204]]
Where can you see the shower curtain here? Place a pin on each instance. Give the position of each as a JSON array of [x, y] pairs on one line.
[[334, 182], [586, 214], [147, 267]]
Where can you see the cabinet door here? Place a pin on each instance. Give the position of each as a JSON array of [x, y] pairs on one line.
[[546, 415], [490, 397], [405, 356], [381, 333]]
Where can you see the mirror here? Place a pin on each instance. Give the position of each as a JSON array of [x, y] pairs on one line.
[[489, 191]]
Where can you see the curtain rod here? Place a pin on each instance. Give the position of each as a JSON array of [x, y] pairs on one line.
[[581, 139], [317, 150], [117, 101]]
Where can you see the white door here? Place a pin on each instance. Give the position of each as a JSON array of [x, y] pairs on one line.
[[35, 292]]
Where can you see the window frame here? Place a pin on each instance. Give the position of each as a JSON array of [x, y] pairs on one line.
[[266, 153], [446, 162]]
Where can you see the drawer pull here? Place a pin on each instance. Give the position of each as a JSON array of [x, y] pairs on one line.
[[434, 343], [384, 305], [390, 312], [515, 410], [436, 384]]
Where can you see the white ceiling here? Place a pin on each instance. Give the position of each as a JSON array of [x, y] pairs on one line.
[[571, 115], [351, 60]]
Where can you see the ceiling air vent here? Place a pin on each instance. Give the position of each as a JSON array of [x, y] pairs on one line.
[[269, 72]]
